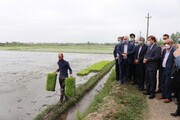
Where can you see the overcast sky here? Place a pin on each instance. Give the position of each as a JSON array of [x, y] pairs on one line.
[[85, 20]]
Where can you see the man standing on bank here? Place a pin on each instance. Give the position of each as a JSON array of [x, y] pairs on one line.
[[116, 57], [132, 75], [63, 74], [125, 52], [151, 59], [167, 66], [140, 66]]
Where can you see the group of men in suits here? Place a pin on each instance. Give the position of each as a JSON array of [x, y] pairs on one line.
[[139, 62]]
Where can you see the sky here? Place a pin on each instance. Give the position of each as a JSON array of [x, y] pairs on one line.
[[80, 21]]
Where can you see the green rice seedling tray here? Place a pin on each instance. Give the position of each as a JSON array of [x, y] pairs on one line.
[[51, 81], [93, 68], [70, 86]]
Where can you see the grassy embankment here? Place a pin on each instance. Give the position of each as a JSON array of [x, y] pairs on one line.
[[116, 102], [54, 112], [93, 68], [74, 48]]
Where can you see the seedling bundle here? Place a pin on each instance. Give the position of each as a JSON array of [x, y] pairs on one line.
[[51, 82], [93, 68], [70, 87]]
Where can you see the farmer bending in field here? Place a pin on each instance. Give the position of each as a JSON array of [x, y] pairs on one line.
[[63, 74]]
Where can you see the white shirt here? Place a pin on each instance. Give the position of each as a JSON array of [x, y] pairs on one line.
[[166, 58], [152, 46], [125, 48], [139, 51]]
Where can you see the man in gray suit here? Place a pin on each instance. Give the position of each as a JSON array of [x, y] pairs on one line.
[[151, 60]]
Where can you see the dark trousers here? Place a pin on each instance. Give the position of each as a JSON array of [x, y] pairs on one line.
[[165, 84], [117, 71], [140, 75], [160, 79], [62, 85], [124, 71], [151, 81], [178, 100], [132, 74]]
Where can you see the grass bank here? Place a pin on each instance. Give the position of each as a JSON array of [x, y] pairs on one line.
[[97, 49], [116, 102], [54, 112]]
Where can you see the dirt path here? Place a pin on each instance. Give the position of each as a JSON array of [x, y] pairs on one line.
[[158, 110]]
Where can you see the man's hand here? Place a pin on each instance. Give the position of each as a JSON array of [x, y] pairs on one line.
[[71, 75], [124, 55], [116, 58], [136, 61], [145, 60]]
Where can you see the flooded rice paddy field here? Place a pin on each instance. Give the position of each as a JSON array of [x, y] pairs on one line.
[[23, 79]]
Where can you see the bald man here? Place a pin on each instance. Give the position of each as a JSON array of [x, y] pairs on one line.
[[167, 66], [125, 52], [63, 73]]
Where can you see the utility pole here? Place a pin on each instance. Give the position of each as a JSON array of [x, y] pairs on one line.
[[140, 34], [147, 34]]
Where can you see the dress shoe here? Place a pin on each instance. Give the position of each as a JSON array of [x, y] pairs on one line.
[[151, 96], [141, 89], [146, 93], [160, 98], [167, 101], [175, 114]]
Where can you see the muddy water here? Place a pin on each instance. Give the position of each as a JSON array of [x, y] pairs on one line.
[[23, 78]]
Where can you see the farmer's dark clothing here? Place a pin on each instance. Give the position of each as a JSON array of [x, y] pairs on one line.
[[63, 69]]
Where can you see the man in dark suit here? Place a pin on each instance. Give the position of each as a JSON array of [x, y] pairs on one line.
[[132, 75], [138, 60], [125, 52], [175, 79], [167, 65], [116, 57], [151, 59]]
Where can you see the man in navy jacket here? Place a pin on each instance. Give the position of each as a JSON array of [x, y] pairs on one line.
[[151, 60], [125, 52], [167, 65]]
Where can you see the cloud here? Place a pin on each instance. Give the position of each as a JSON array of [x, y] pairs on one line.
[[84, 20]]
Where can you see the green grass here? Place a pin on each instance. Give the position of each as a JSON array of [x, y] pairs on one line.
[[51, 81], [103, 49], [70, 87], [53, 112], [134, 101], [93, 68]]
